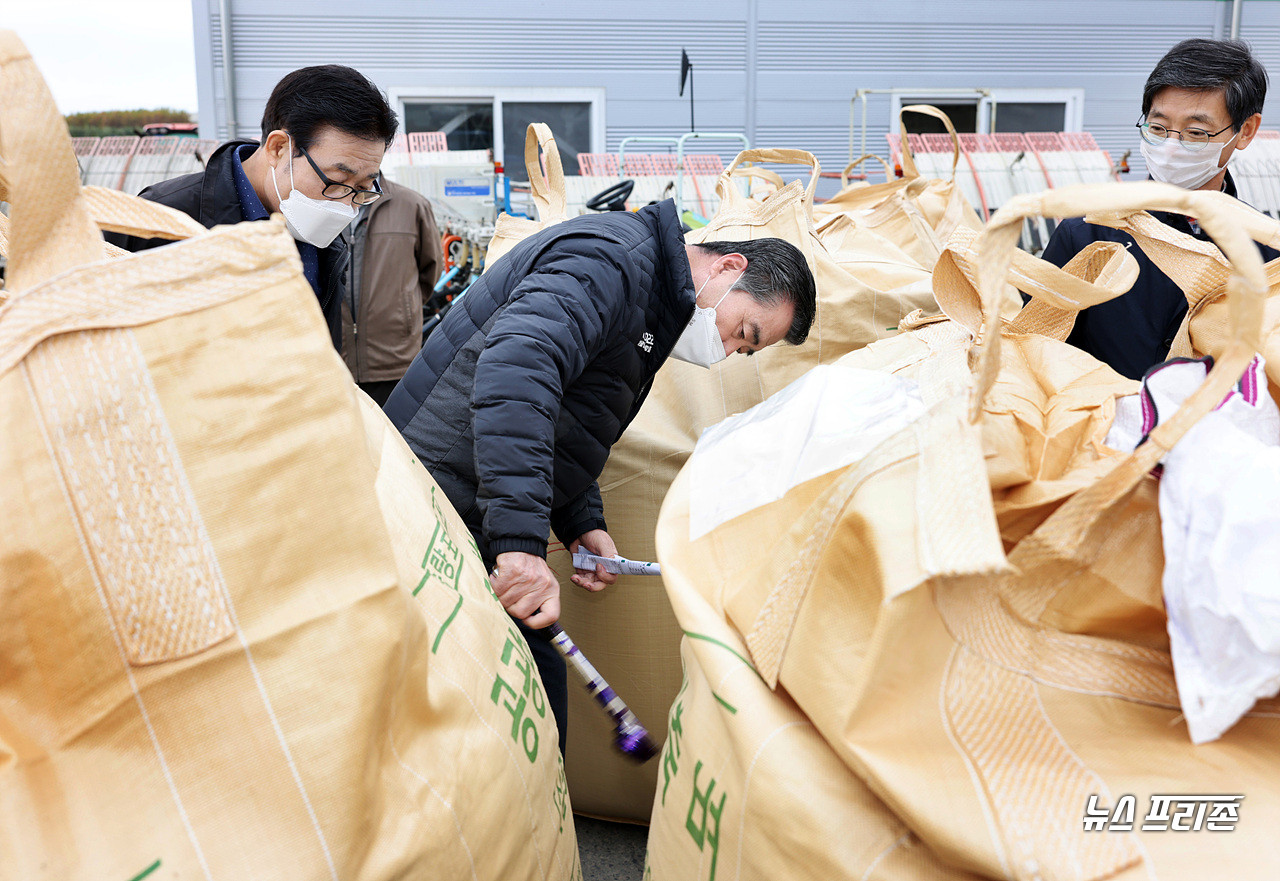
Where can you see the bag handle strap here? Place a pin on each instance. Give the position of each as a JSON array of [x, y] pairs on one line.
[[763, 174], [781, 156], [1231, 224], [548, 191], [116, 211], [1195, 265], [1101, 272], [51, 229], [750, 172], [908, 160], [1107, 267], [844, 175]]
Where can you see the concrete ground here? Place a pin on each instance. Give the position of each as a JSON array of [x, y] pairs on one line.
[[610, 851]]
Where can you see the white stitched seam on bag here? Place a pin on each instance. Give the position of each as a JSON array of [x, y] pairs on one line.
[[146, 537], [979, 791], [115, 637], [1037, 787], [457, 824], [897, 843], [746, 777], [144, 513]]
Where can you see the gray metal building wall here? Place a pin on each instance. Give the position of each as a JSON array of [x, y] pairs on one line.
[[782, 71]]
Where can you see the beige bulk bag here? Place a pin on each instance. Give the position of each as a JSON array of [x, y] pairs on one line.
[[548, 194], [1051, 406], [629, 631], [749, 787], [915, 213], [244, 636], [1007, 744]]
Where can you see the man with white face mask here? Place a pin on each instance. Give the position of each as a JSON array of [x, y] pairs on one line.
[[324, 132], [1202, 103], [517, 396]]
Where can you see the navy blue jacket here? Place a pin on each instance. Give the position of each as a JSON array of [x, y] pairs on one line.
[[1133, 332], [519, 393]]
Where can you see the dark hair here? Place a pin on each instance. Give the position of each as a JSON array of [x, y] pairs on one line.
[[1201, 65], [776, 272], [328, 94]]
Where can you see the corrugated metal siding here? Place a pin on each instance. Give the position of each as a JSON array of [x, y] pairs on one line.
[[809, 58], [1263, 38], [950, 47], [813, 57], [422, 43]]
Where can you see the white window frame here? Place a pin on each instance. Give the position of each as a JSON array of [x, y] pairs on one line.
[[989, 99], [497, 95]]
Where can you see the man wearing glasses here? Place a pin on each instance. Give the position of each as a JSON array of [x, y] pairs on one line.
[[324, 132], [1202, 103]]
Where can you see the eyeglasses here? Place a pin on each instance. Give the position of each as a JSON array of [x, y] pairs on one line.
[[334, 190], [1193, 138]]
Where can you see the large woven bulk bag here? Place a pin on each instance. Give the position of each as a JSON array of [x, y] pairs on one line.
[[629, 631], [1010, 743], [243, 634], [917, 214]]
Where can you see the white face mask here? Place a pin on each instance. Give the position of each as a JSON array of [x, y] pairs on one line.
[[700, 342], [1173, 163], [316, 221]]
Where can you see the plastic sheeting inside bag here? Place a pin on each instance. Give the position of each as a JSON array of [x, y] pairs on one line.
[[831, 417], [1219, 521]]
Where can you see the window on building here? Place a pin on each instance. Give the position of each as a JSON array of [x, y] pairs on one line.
[[498, 121], [964, 116], [994, 110], [570, 121], [467, 125], [1020, 116]]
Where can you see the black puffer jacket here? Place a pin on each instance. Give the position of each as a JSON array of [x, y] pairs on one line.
[[517, 396]]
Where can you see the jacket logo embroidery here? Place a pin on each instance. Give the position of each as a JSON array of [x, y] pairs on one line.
[[646, 342]]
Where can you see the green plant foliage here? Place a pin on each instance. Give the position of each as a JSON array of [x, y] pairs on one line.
[[105, 123]]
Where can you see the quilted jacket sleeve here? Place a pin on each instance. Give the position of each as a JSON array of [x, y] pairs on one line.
[[579, 516], [557, 320]]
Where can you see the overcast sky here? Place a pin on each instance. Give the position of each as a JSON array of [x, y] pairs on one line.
[[109, 54]]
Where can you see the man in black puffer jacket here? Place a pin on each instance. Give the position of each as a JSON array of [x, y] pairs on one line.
[[517, 396]]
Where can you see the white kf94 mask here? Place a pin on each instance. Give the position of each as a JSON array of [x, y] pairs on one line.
[[700, 342], [1172, 163], [315, 221]]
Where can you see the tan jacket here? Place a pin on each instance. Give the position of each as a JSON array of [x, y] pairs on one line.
[[401, 263]]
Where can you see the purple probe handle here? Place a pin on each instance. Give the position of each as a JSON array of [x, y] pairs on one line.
[[596, 685]]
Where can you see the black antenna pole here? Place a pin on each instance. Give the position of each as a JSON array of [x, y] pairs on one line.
[[692, 127], [686, 73]]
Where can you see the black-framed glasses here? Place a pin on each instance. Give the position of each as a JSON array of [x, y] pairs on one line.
[[334, 190], [1193, 138]]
